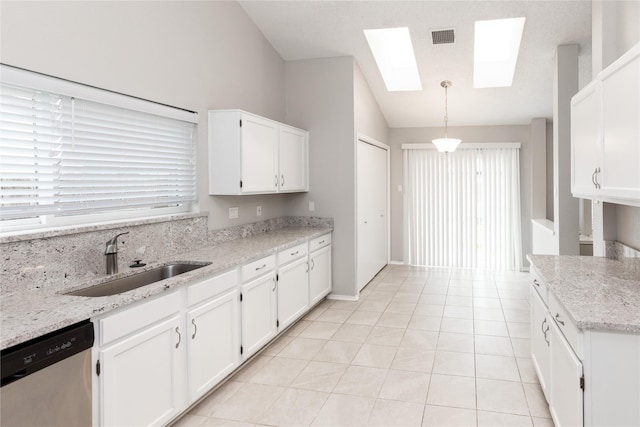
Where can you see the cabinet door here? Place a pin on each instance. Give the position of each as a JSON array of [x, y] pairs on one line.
[[586, 137], [540, 340], [566, 371], [259, 151], [621, 130], [258, 314], [319, 274], [292, 159], [293, 291], [141, 377], [213, 342]]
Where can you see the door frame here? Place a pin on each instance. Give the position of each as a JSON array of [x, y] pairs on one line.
[[360, 137]]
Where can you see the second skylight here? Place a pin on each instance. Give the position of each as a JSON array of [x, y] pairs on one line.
[[496, 47], [393, 52]]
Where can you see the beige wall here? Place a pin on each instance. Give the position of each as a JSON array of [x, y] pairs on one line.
[[319, 98], [368, 117], [397, 137], [331, 98], [194, 55]]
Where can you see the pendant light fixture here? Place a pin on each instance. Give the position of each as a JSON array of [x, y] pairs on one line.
[[446, 144]]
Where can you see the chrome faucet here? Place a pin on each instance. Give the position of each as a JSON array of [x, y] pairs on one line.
[[112, 254]]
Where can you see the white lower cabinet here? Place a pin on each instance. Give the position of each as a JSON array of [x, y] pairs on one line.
[[213, 342], [141, 376], [293, 292], [258, 313], [540, 341], [590, 377], [319, 274], [566, 378], [161, 355]]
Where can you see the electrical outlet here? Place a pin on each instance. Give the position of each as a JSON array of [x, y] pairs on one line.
[[312, 206], [258, 210], [233, 213]]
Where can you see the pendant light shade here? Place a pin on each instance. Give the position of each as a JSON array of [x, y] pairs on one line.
[[446, 144]]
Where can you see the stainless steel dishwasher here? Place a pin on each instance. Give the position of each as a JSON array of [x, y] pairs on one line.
[[46, 382]]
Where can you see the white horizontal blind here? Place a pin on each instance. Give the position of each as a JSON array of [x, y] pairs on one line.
[[65, 155], [463, 209]]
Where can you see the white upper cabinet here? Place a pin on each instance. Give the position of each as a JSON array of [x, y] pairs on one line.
[[586, 137], [293, 160], [258, 154], [621, 128], [249, 154], [605, 134]]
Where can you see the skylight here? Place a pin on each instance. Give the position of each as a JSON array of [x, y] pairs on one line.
[[393, 52], [496, 47]]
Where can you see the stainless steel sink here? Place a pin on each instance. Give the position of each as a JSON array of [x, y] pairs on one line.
[[118, 286]]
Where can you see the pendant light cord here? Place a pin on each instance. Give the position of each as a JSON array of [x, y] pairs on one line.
[[446, 108]]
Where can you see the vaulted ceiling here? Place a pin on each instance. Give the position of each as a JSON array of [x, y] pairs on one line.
[[317, 29]]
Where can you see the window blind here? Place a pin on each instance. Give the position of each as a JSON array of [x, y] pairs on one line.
[[66, 155], [463, 209]]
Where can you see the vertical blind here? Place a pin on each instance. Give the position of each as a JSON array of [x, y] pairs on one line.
[[463, 209], [64, 154]]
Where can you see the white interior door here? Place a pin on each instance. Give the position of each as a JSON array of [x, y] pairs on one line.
[[372, 235]]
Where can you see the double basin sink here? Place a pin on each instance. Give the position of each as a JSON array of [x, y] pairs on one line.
[[135, 281]]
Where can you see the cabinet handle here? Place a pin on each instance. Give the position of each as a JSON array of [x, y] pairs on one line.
[[535, 282], [307, 266], [295, 253], [313, 264], [179, 336], [596, 177], [593, 177], [195, 328], [274, 285], [275, 180], [545, 335], [558, 319], [260, 268], [282, 176], [542, 325], [321, 242]]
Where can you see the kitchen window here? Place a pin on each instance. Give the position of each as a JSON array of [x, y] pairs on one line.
[[72, 154]]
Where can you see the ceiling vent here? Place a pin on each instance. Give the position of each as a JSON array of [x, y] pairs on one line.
[[443, 36]]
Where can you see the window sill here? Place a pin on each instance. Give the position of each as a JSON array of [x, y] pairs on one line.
[[42, 233]]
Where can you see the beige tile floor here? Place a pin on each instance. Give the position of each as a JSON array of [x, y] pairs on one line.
[[422, 347]]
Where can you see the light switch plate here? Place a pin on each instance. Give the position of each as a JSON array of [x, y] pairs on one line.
[[258, 210], [233, 213], [312, 206]]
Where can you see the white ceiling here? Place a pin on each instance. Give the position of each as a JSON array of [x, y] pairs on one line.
[[316, 29]]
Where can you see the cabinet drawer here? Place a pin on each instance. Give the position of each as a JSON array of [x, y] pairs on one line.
[[541, 288], [256, 268], [211, 287], [292, 253], [130, 320], [565, 324], [320, 242]]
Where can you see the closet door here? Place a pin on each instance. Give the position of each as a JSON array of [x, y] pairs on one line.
[[372, 236]]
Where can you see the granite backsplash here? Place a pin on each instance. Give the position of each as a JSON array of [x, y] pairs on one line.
[[77, 255]]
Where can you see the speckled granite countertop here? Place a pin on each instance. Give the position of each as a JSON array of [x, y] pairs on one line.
[[30, 314], [598, 293]]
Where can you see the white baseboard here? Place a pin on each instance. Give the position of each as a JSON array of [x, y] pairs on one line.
[[343, 297], [394, 262]]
